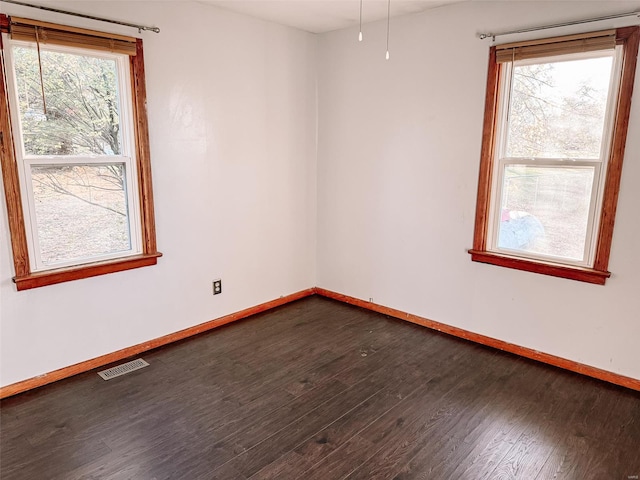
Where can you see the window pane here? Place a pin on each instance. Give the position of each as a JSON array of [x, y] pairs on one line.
[[81, 98], [81, 211], [558, 109], [545, 210]]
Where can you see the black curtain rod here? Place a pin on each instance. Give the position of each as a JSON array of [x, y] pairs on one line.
[[82, 15]]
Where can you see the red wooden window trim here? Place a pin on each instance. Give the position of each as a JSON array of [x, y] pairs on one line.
[[629, 37], [24, 277]]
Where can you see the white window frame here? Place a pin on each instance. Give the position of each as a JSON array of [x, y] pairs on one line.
[[628, 38], [599, 164], [127, 156]]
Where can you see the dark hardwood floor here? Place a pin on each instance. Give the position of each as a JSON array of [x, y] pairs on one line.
[[321, 390]]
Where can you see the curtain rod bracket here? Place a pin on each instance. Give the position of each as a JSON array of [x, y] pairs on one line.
[[484, 35], [140, 28]]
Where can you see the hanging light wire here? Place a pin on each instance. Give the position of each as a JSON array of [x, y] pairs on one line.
[[388, 24], [360, 34]]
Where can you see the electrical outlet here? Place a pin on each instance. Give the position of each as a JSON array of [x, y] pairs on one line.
[[217, 286]]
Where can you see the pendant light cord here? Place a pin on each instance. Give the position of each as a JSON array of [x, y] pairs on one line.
[[360, 34], [388, 25]]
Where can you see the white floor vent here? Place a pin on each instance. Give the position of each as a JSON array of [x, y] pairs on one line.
[[118, 370]]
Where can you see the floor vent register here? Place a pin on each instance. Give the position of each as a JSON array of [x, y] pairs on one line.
[[123, 369]]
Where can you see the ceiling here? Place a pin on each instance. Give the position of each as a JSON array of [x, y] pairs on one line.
[[318, 16]]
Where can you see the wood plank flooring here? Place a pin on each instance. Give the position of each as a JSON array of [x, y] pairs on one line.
[[321, 390]]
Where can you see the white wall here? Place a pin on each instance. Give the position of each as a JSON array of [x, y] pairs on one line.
[[399, 149], [232, 117], [232, 113]]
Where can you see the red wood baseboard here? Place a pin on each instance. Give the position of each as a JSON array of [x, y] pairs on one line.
[[82, 367], [581, 368]]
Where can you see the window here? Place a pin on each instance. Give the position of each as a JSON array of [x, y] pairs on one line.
[[77, 172], [555, 128]]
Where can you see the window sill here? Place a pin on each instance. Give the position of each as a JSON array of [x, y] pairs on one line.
[[67, 274], [580, 274]]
